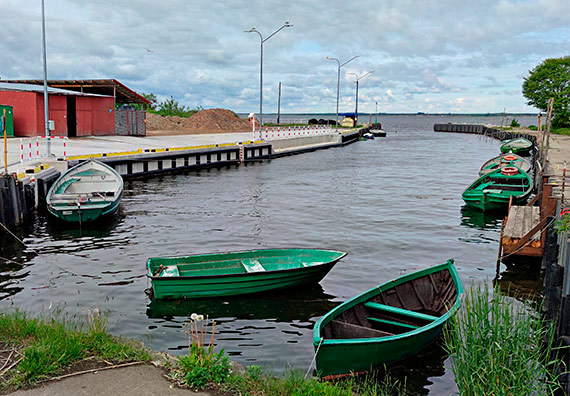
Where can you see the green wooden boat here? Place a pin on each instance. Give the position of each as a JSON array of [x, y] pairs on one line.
[[494, 190], [234, 273], [504, 160], [85, 192], [519, 146], [387, 323]]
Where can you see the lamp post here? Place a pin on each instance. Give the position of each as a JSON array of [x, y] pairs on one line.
[[358, 79], [263, 40], [46, 107], [338, 82]]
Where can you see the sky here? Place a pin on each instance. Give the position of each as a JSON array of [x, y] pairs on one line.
[[444, 56]]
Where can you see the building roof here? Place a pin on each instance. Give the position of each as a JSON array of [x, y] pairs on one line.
[[113, 87], [11, 86]]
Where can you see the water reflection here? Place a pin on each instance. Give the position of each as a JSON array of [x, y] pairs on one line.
[[475, 218], [284, 306]]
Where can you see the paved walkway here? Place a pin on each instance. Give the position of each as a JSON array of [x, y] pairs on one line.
[[558, 153], [143, 380], [114, 144]]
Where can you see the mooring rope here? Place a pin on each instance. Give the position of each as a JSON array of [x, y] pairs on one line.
[[314, 358], [19, 240]]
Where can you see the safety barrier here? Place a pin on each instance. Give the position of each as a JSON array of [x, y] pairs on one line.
[[276, 133], [36, 147]]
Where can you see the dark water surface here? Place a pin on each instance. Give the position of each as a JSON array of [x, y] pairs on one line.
[[393, 203]]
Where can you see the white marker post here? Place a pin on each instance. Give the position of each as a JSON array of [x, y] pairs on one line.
[[251, 117]]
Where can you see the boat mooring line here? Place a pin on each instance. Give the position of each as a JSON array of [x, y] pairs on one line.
[[19, 240], [314, 358]]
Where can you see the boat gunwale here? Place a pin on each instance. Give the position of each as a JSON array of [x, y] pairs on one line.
[[329, 316], [525, 176], [243, 274]]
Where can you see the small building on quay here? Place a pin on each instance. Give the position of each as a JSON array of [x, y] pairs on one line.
[[76, 107]]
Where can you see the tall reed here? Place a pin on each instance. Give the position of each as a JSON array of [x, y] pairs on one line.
[[500, 347]]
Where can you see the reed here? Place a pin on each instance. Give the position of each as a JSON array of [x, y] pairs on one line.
[[500, 347]]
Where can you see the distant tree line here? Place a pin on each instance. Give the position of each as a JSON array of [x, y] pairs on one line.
[[167, 107]]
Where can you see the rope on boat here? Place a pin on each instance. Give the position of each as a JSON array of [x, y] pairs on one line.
[[314, 358]]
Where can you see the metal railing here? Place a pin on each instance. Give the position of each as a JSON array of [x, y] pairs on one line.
[[276, 133], [34, 148]]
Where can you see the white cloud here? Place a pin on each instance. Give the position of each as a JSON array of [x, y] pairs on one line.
[[198, 53]]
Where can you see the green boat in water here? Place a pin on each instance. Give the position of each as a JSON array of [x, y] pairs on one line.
[[236, 273], [504, 160], [85, 192], [519, 146], [494, 190], [387, 323]]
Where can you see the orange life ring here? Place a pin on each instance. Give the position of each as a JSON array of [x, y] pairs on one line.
[[510, 157], [509, 170]]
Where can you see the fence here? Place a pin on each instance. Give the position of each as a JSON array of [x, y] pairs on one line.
[[276, 133], [36, 147]]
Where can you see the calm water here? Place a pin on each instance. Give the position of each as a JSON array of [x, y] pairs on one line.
[[393, 203]]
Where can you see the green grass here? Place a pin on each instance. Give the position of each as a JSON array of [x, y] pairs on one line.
[[46, 346], [253, 382], [561, 131], [498, 347]]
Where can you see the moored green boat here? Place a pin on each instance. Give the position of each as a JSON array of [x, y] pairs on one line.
[[519, 146], [494, 190], [504, 160], [387, 323], [235, 273], [85, 192]]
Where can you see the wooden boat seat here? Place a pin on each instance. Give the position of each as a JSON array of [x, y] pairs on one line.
[[400, 311], [252, 265], [170, 270], [393, 323], [61, 189]]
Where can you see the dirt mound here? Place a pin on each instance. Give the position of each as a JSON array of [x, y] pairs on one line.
[[205, 121]]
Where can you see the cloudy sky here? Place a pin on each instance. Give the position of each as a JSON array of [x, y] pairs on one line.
[[443, 56]]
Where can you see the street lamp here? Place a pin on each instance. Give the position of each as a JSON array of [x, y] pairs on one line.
[[357, 79], [338, 82], [46, 107], [263, 40]]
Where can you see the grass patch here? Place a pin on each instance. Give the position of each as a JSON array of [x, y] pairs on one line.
[[253, 382], [561, 131], [499, 348], [42, 348]]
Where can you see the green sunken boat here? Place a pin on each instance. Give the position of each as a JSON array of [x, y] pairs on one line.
[[86, 192], [387, 323], [504, 160], [494, 190], [235, 273], [520, 146]]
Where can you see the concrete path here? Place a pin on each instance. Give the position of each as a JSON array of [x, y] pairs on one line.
[[143, 380], [114, 144]]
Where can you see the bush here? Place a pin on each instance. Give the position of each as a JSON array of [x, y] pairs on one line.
[[515, 123]]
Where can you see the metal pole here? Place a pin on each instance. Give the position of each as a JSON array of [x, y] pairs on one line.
[[356, 111], [253, 29], [338, 83], [279, 104], [5, 142], [46, 105]]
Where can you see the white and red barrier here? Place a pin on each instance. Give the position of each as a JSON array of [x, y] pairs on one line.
[[36, 147], [276, 133]]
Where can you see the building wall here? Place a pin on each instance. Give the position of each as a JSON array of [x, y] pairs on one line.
[[25, 111], [95, 116]]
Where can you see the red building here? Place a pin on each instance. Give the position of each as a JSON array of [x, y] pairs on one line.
[[87, 111]]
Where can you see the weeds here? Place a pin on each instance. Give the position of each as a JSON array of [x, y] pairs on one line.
[[498, 348], [202, 366]]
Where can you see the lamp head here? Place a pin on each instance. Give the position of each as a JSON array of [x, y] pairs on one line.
[[250, 30], [287, 24]]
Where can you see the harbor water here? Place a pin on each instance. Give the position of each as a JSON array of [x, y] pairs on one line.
[[394, 204]]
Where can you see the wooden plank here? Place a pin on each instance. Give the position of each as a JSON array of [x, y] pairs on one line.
[[520, 221]]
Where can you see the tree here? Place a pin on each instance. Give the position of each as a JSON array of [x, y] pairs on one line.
[[151, 98], [550, 79]]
